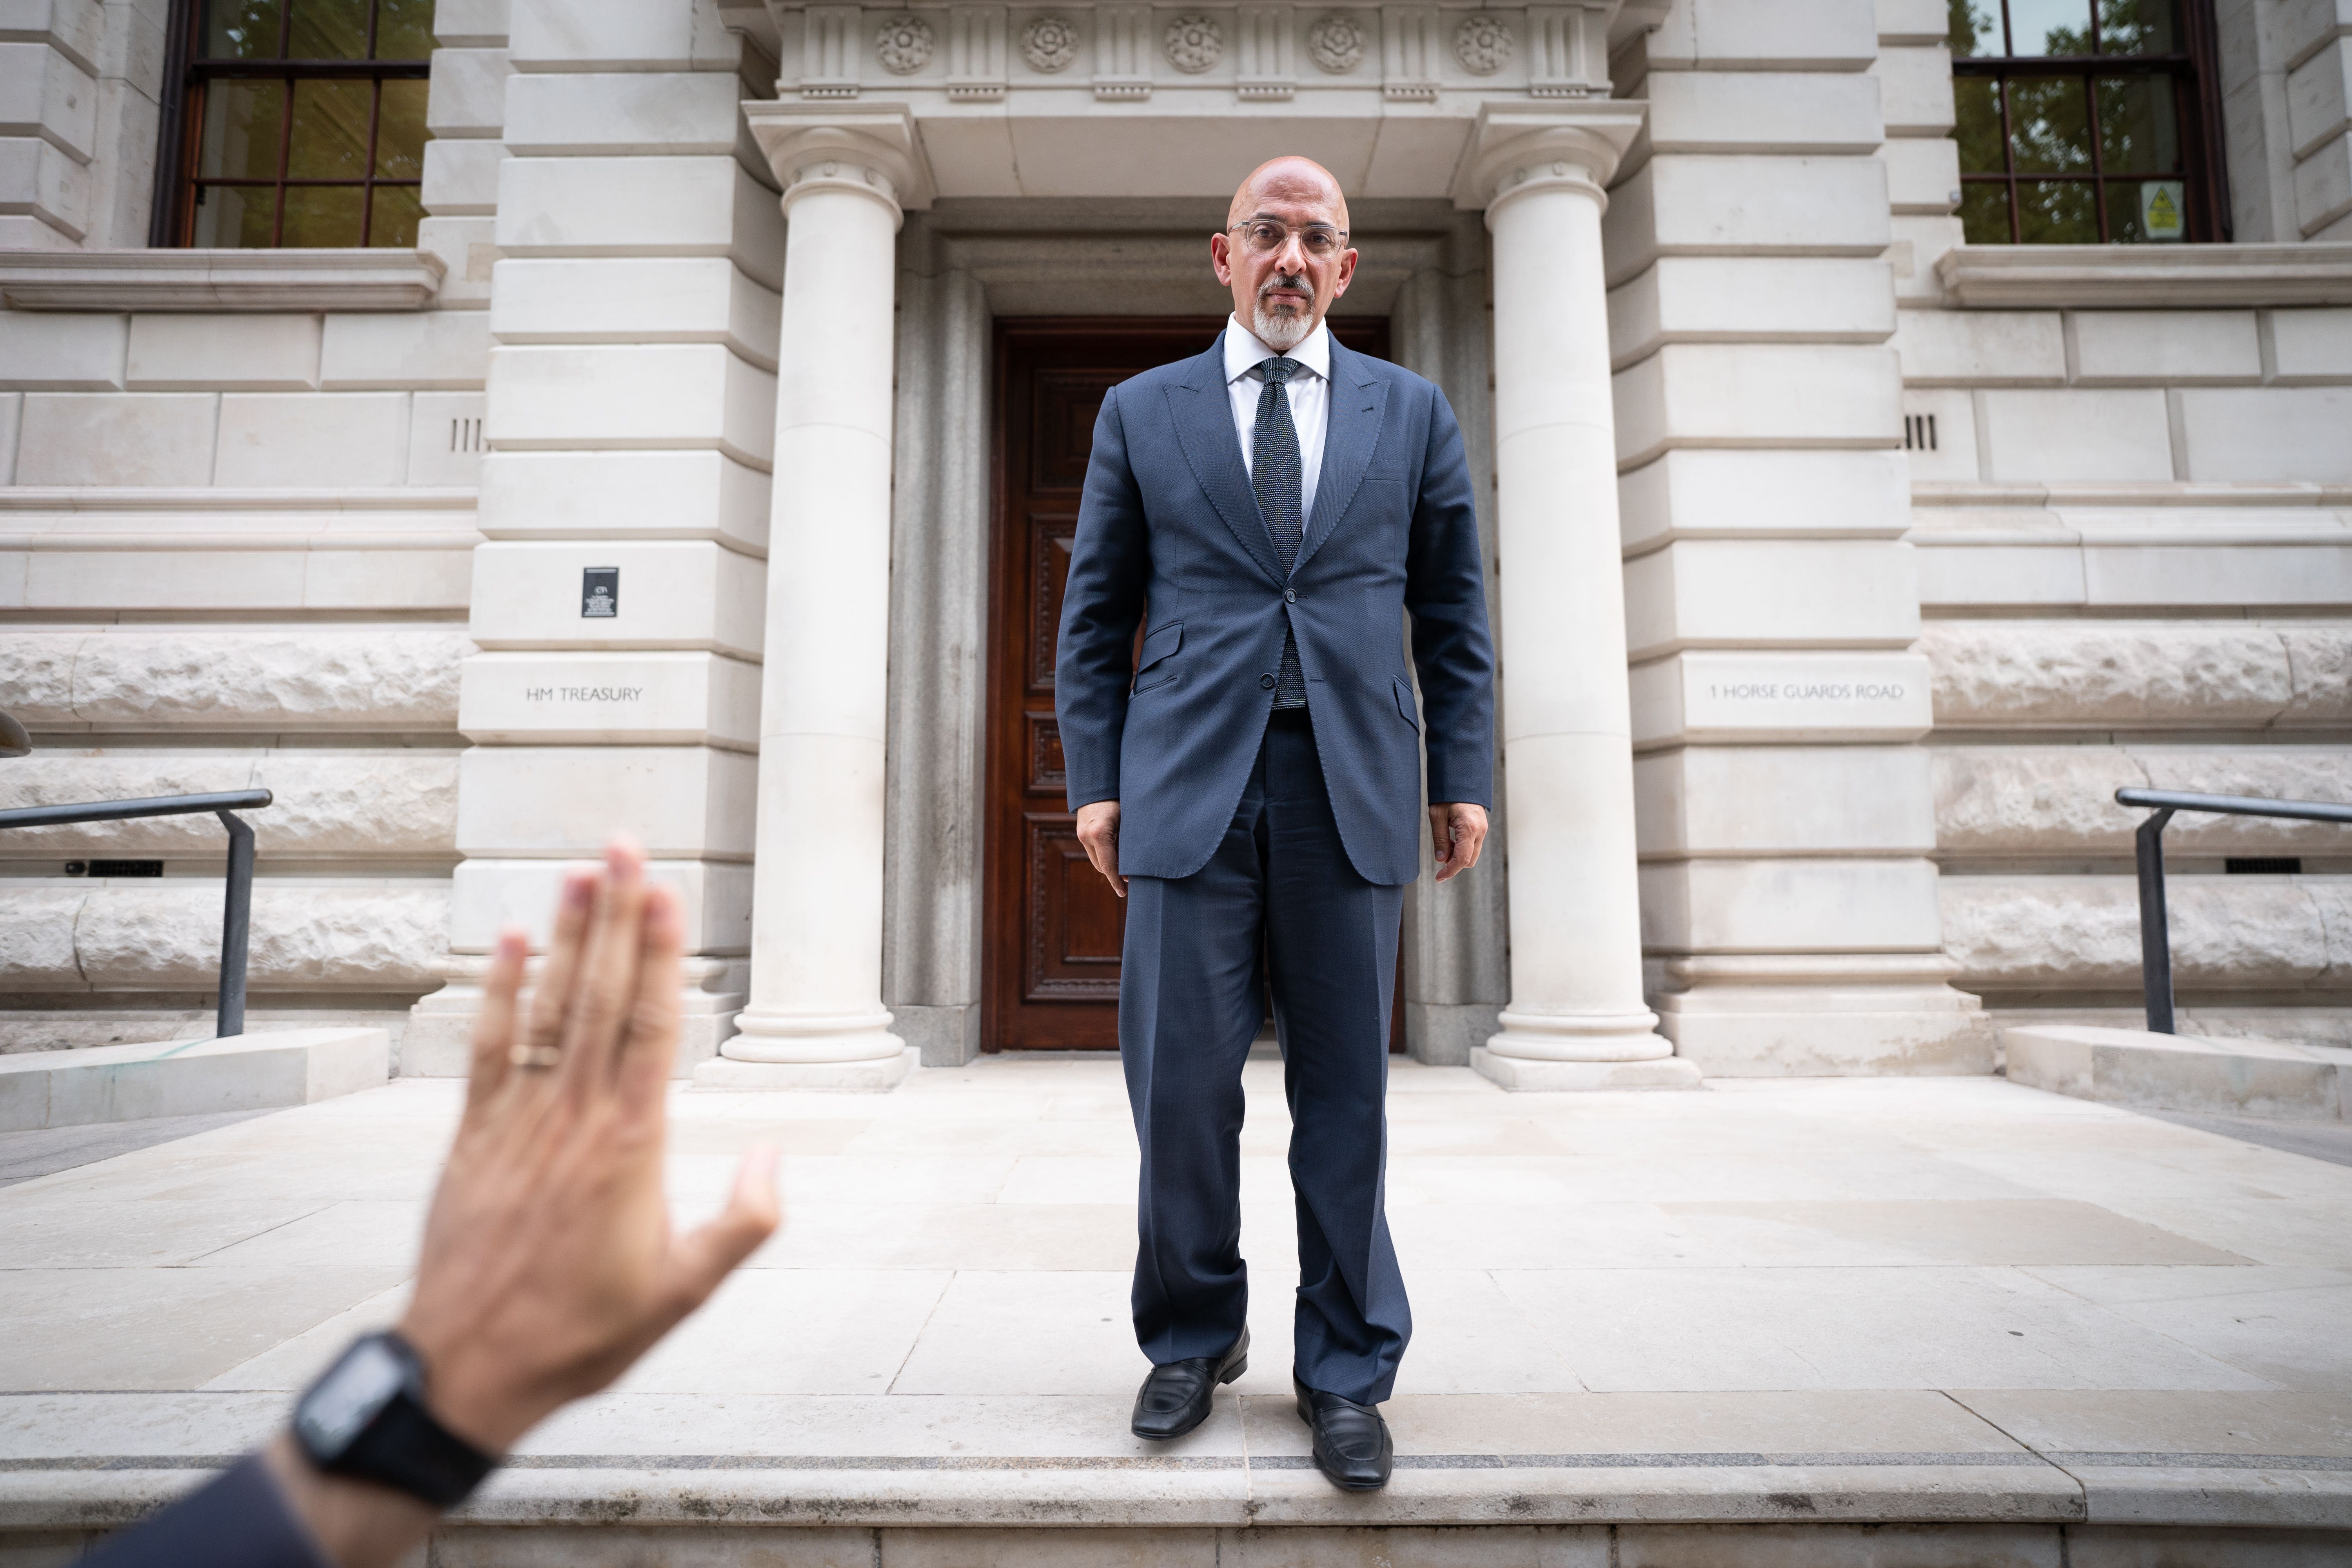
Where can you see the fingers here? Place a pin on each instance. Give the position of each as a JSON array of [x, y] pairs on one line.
[[552, 998], [606, 987], [494, 1031], [702, 1258], [649, 1044]]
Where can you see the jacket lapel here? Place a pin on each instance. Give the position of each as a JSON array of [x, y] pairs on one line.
[[1205, 430], [1359, 404]]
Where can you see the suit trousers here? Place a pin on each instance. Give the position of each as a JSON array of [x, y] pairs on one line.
[[1279, 901]]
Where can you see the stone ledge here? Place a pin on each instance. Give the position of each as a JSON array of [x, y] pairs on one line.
[[244, 1072], [2128, 276], [338, 279], [2180, 1072], [731, 1495], [208, 498], [2125, 493]]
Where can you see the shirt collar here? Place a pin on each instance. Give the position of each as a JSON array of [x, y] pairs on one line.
[[1243, 350]]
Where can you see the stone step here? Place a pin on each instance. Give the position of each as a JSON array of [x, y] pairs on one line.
[[2182, 1072], [188, 1077]]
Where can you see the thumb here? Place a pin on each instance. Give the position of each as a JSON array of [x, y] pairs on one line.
[[704, 1257]]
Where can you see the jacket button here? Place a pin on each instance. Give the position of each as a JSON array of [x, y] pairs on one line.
[[1267, 681], [1290, 595]]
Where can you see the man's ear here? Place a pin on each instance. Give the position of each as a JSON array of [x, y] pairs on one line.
[[1347, 272], [1221, 257]]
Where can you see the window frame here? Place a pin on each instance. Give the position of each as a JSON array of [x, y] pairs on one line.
[[188, 77], [2197, 109]]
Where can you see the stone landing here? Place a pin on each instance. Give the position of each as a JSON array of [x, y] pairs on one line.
[[1773, 1322]]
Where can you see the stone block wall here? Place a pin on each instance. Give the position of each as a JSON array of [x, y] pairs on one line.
[[634, 312], [236, 551], [2287, 82], [1786, 826], [2134, 535], [79, 84]]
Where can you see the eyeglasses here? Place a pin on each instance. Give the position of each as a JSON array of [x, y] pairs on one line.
[[1264, 236]]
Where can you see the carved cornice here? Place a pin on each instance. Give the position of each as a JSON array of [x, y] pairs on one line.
[[1245, 50], [1516, 150], [871, 148]]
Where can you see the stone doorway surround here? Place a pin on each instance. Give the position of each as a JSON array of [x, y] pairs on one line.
[[961, 265], [869, 788]]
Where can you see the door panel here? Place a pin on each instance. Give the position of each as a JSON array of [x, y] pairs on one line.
[[1051, 944]]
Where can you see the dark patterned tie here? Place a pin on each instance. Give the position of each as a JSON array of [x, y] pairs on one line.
[[1275, 474]]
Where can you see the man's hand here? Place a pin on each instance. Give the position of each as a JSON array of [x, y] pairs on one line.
[[549, 1264], [1098, 833], [1458, 829]]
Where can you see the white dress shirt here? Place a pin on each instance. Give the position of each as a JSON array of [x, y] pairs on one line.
[[1310, 399]]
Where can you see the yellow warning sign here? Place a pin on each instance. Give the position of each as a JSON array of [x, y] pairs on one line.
[[2161, 213]]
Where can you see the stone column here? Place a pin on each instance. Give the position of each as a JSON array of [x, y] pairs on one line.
[[815, 1018], [1576, 1018]]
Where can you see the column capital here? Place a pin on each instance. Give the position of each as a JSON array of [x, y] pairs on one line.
[[1519, 148], [868, 148]]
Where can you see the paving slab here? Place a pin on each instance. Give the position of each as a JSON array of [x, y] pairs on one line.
[[1899, 1307]]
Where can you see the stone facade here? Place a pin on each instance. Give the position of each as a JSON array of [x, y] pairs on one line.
[[1907, 554]]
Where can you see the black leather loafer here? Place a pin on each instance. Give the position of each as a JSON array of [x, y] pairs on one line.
[[1351, 1441], [1175, 1398]]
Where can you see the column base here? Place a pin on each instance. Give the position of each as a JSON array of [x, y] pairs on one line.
[[1528, 1074], [1807, 1015], [875, 1074], [1630, 1036]]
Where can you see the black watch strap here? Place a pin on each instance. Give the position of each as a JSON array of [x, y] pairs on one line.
[[403, 1447]]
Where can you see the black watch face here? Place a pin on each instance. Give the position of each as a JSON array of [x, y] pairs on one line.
[[347, 1398]]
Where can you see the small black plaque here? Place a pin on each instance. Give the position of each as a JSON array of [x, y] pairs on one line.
[[126, 868], [2263, 865], [600, 593]]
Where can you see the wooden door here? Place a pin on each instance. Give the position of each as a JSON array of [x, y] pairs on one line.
[[1051, 943]]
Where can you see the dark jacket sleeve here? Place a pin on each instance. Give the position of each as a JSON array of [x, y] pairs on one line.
[[1094, 665], [1445, 590], [240, 1520]]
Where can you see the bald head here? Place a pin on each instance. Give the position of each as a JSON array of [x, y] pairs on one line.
[[1284, 252], [1286, 182]]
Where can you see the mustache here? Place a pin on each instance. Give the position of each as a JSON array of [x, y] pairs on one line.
[[1296, 281]]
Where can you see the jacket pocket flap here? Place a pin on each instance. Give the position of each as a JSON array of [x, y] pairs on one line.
[[1159, 645], [1405, 702]]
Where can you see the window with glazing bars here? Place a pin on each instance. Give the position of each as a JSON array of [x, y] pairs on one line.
[[298, 122], [2086, 121]]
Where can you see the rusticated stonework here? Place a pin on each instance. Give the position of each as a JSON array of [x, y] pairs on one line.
[[2059, 800], [2059, 933], [2213, 676], [165, 936], [383, 680]]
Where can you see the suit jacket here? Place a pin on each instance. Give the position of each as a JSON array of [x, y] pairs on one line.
[[238, 1519], [1168, 522]]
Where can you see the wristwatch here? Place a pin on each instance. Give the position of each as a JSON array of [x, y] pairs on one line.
[[366, 1418]]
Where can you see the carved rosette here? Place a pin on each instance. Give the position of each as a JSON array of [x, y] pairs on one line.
[[1194, 43], [1482, 43], [1050, 44], [904, 44], [1336, 43]]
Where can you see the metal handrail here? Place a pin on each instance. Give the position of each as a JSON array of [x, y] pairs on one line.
[[2155, 931], [237, 913]]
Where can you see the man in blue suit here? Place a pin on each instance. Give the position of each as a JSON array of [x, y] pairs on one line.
[[1251, 781]]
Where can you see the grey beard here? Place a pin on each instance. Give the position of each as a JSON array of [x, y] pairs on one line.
[[1280, 334]]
